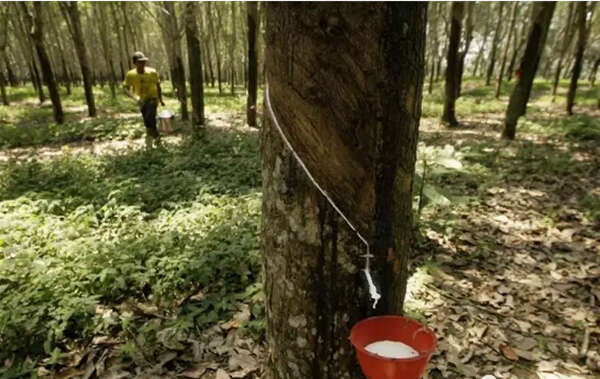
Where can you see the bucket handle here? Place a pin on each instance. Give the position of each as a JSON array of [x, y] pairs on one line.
[[422, 329]]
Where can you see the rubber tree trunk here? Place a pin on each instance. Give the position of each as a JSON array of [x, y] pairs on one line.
[[3, 88], [521, 42], [172, 41], [495, 41], [567, 37], [433, 37], [252, 13], [594, 72], [517, 104], [330, 69], [456, 16], [35, 24], [463, 53], [513, 19], [232, 48], [486, 33], [12, 78], [71, 10], [107, 50], [194, 63], [214, 36], [580, 48]]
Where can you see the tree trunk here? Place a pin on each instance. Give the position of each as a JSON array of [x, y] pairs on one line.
[[71, 12], [495, 41], [513, 19], [593, 72], [251, 8], [462, 54], [107, 51], [232, 48], [3, 88], [172, 40], [486, 33], [214, 38], [194, 64], [567, 37], [311, 258], [581, 41], [34, 24], [517, 105], [519, 42], [457, 13], [433, 37]]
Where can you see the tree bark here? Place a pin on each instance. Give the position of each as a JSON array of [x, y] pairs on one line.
[[232, 48], [107, 51], [495, 41], [327, 78], [34, 24], [462, 54], [517, 104], [172, 40], [449, 115], [214, 37], [71, 12], [581, 41], [194, 64], [252, 11], [567, 37], [12, 78], [486, 33], [519, 42], [593, 72], [433, 37], [513, 19], [3, 88]]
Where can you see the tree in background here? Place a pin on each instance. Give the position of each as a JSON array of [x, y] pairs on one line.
[[3, 44], [513, 19], [252, 14], [351, 93], [34, 23], [194, 63], [451, 91], [71, 13], [467, 43], [495, 42], [566, 42], [582, 32], [517, 104]]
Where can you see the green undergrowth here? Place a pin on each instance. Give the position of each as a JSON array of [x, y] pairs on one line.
[[80, 233]]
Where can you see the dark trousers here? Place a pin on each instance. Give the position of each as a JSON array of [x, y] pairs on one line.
[[149, 113]]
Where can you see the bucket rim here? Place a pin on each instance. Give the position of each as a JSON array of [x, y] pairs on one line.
[[421, 355]]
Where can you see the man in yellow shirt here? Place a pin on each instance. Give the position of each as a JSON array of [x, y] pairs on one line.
[[145, 83]]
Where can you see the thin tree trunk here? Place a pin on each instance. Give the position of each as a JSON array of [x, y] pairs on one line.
[[3, 88], [568, 35], [71, 12], [251, 9], [449, 115], [513, 19], [311, 258], [593, 72], [519, 42], [194, 63], [486, 34], [214, 36], [12, 78], [462, 54], [581, 41], [433, 37], [495, 41], [232, 48], [107, 51], [517, 104], [34, 23]]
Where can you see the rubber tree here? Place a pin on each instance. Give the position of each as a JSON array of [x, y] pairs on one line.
[[252, 14], [34, 23], [194, 63], [3, 46], [513, 19], [344, 84], [581, 13], [567, 37], [71, 12], [495, 42], [450, 90], [517, 105], [462, 54]]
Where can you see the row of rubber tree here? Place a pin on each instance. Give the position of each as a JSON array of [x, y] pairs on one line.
[[579, 22], [192, 44]]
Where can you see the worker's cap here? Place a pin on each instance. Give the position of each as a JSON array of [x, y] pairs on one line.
[[139, 56]]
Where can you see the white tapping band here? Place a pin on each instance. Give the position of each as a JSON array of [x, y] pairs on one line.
[[372, 289]]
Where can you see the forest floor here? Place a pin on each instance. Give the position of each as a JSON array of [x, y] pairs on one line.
[[116, 261]]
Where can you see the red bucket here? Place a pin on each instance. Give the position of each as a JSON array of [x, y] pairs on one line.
[[392, 328]]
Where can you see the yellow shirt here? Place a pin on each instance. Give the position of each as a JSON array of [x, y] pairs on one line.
[[144, 85]]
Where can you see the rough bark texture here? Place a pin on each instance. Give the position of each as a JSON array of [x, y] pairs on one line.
[[495, 41], [251, 8], [71, 10], [353, 105], [541, 17], [194, 63], [581, 41], [35, 25], [449, 116], [567, 37], [513, 19]]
